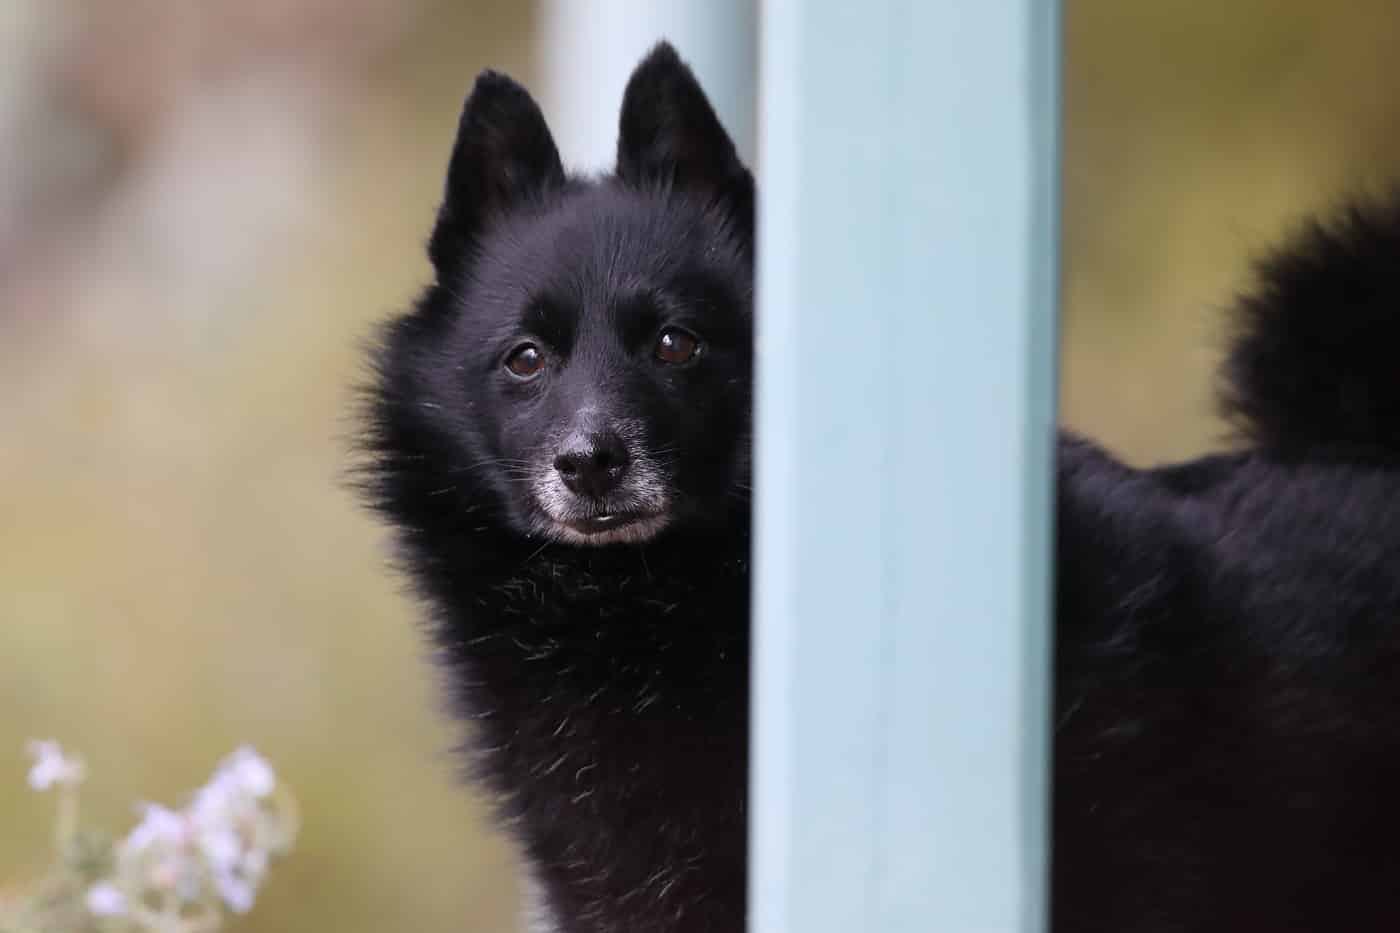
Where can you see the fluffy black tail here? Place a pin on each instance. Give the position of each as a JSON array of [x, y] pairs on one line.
[[1314, 370]]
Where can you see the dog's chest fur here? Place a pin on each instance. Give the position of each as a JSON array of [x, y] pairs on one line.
[[608, 695]]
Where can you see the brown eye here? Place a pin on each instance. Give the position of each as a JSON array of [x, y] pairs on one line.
[[676, 346], [526, 362]]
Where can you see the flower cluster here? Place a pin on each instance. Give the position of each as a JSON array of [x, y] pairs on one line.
[[176, 871]]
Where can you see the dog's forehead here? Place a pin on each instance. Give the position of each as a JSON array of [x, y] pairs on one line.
[[605, 240]]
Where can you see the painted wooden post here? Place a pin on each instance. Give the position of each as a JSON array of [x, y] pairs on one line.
[[589, 48], [905, 415]]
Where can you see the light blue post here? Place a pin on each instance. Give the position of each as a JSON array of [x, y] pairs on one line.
[[588, 49], [906, 345]]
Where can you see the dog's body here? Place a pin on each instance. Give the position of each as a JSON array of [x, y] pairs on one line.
[[1228, 630], [560, 433]]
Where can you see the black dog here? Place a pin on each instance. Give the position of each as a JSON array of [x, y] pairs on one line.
[[560, 432]]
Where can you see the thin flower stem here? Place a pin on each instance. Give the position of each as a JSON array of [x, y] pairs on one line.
[[67, 827]]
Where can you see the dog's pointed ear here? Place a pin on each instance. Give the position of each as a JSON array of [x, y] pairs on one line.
[[669, 133], [504, 154]]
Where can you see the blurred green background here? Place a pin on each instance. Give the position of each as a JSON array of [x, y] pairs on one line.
[[205, 205]]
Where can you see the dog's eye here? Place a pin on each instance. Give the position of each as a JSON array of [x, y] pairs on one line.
[[525, 362], [676, 346]]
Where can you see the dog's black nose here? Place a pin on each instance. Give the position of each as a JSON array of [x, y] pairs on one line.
[[592, 464]]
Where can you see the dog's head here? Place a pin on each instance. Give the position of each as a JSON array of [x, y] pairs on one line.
[[587, 347]]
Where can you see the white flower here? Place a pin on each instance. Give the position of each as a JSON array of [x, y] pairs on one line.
[[52, 767], [232, 794], [105, 899], [221, 846], [248, 772], [238, 893], [159, 827], [227, 818]]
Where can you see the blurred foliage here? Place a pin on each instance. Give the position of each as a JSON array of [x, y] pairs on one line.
[[181, 316]]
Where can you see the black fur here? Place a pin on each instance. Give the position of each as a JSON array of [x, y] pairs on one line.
[[607, 685], [1313, 372], [1227, 721], [1227, 743]]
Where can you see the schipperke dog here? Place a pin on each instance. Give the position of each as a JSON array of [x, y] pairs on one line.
[[559, 431]]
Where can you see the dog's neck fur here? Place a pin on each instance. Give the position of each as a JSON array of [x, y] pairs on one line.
[[607, 689]]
